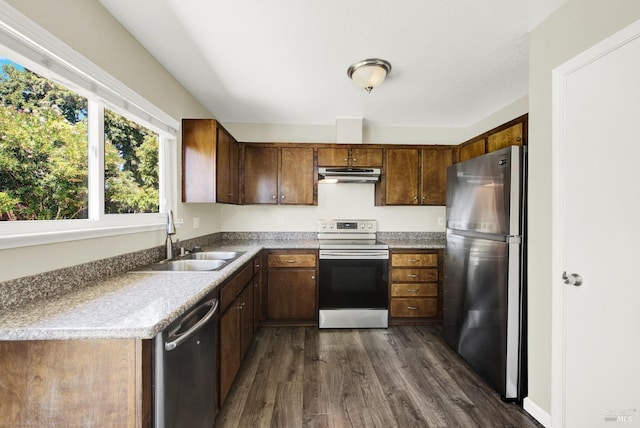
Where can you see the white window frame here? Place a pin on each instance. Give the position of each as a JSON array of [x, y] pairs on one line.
[[27, 43]]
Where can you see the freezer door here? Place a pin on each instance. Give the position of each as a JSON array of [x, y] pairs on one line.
[[484, 194], [481, 314]]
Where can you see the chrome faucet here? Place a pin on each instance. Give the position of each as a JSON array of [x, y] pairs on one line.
[[171, 230]]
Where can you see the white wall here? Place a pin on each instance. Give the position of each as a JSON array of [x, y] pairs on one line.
[[576, 26]]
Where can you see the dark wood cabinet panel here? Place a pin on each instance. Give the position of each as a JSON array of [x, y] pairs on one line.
[[291, 287], [260, 175], [279, 175], [291, 294], [333, 157], [415, 286], [76, 383], [433, 178], [350, 157], [257, 291], [512, 136], [297, 178], [416, 176], [210, 170], [227, 167], [402, 169], [472, 149], [236, 326], [512, 133], [229, 348]]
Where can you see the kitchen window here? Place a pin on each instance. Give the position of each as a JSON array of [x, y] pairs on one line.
[[81, 155]]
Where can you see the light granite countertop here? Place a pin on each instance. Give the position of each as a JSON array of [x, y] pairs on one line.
[[140, 305], [130, 305]]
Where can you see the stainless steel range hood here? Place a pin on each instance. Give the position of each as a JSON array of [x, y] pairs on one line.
[[348, 175]]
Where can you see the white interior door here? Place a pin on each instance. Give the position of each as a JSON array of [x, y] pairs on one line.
[[596, 326]]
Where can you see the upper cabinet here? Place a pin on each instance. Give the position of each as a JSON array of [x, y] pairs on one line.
[[415, 176], [350, 157], [279, 175], [209, 163], [513, 133]]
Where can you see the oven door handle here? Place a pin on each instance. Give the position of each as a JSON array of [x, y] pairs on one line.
[[350, 255]]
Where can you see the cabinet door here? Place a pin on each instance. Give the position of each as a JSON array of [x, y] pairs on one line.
[[226, 167], [507, 137], [246, 320], [472, 149], [291, 294], [260, 175], [198, 160], [257, 292], [297, 176], [229, 348], [402, 177], [366, 157], [333, 157], [434, 175]]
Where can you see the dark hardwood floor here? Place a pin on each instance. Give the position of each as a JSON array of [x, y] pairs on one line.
[[396, 377]]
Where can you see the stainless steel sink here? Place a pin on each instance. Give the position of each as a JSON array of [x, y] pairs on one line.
[[188, 265], [202, 261], [213, 255]]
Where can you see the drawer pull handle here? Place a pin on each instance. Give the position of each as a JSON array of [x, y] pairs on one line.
[[291, 261], [412, 275], [413, 290], [412, 308], [414, 260]]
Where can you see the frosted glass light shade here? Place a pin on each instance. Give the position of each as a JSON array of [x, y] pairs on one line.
[[369, 73]]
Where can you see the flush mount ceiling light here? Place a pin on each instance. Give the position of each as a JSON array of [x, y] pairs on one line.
[[369, 73]]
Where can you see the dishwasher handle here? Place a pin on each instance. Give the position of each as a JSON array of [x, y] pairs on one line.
[[169, 346]]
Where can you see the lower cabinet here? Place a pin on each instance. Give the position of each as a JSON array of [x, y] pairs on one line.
[[291, 287], [415, 287], [102, 383], [236, 325]]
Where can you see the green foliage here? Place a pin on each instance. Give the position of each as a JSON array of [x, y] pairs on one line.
[[43, 154]]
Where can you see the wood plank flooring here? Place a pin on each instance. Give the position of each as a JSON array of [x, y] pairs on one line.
[[396, 377]]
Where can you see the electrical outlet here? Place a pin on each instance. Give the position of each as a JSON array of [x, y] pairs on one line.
[[196, 222], [440, 221]]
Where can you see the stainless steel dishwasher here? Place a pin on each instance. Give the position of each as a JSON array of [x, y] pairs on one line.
[[185, 369]]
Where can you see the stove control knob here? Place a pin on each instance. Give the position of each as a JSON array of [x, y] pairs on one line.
[[370, 226]]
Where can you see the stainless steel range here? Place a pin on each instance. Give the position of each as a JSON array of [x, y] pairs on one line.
[[353, 275]]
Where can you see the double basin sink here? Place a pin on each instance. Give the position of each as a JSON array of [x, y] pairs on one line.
[[201, 261]]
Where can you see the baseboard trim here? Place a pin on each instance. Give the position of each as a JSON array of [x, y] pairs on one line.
[[537, 412]]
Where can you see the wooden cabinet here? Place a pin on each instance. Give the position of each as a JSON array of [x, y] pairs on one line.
[[416, 286], [236, 325], [511, 136], [415, 176], [512, 133], [257, 290], [210, 171], [279, 175], [292, 287], [350, 157], [472, 149], [102, 383]]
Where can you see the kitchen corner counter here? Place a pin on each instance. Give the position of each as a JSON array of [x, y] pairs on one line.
[[128, 305]]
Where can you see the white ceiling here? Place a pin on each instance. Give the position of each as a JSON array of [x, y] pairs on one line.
[[454, 61]]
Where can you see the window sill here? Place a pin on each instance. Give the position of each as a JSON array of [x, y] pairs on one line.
[[52, 237]]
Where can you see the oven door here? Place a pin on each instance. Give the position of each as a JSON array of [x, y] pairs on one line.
[[354, 279]]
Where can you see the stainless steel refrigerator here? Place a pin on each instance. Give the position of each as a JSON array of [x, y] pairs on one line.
[[484, 316]]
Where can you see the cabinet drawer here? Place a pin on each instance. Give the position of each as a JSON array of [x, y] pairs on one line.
[[292, 260], [232, 288], [414, 308], [414, 290], [417, 260], [414, 275]]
